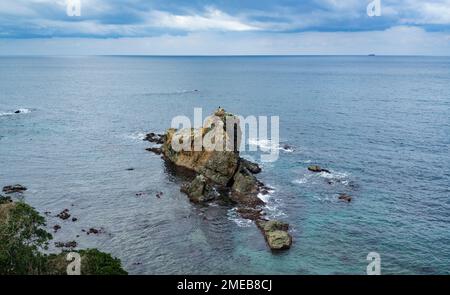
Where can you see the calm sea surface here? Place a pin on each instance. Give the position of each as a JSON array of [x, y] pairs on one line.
[[380, 124]]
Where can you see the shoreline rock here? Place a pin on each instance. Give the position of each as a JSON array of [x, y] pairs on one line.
[[155, 150], [276, 234], [16, 188], [317, 169], [345, 197]]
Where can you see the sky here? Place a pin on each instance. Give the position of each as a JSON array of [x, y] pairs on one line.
[[224, 27]]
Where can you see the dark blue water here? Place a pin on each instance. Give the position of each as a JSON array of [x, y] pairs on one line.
[[380, 124]]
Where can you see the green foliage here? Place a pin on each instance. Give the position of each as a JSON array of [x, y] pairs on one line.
[[22, 237], [94, 262]]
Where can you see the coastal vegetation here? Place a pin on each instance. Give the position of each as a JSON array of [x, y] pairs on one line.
[[23, 240]]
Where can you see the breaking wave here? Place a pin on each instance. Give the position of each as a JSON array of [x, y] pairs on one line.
[[267, 145], [271, 209], [21, 111]]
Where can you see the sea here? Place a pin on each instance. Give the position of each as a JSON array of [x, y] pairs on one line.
[[379, 124]]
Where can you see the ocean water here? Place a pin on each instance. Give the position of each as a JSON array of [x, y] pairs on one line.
[[380, 124]]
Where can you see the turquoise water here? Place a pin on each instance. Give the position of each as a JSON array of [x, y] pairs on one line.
[[380, 124]]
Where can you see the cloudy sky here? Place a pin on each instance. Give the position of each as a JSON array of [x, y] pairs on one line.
[[220, 27]]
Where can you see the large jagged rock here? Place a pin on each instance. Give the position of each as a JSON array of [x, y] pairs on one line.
[[219, 160], [219, 168]]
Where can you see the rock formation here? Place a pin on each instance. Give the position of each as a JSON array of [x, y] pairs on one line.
[[212, 152], [16, 188], [315, 168]]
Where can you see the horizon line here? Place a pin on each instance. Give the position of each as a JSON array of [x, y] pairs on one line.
[[221, 55]]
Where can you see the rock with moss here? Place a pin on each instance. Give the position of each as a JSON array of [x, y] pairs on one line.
[[316, 168], [199, 190], [275, 233]]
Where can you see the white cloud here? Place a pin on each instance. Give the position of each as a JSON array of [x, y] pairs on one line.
[[403, 40], [211, 19]]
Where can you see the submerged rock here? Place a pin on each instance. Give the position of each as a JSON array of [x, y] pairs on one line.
[[276, 234], [64, 214], [250, 213], [155, 150], [345, 197], [316, 168], [155, 138], [17, 188], [56, 227]]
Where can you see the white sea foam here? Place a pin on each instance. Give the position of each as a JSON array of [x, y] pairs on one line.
[[137, 135], [234, 216], [266, 145], [24, 111], [340, 177], [271, 209], [302, 180], [172, 92], [21, 111]]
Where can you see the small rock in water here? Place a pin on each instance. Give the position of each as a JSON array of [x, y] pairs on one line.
[[345, 197], [74, 219], [287, 147], [316, 168], [56, 227], [275, 233], [17, 188], [17, 112], [130, 169], [159, 194], [155, 150], [155, 138], [94, 231], [64, 214]]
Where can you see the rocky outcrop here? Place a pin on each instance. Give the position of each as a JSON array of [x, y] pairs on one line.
[[155, 150], [17, 188], [199, 190], [316, 168], [155, 138], [345, 197], [220, 171], [276, 234]]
